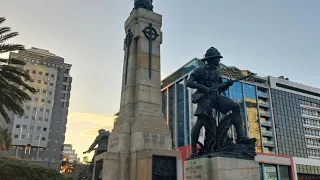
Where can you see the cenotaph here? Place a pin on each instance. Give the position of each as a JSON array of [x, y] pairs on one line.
[[140, 144]]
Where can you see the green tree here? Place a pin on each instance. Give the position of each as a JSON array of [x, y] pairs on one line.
[[12, 86], [19, 170], [84, 171], [5, 139]]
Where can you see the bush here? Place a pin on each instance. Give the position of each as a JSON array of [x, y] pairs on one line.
[[19, 170]]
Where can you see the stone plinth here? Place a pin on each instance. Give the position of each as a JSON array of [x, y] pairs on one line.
[[148, 164], [220, 168]]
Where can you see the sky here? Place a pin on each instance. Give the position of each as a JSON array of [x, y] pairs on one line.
[[267, 37]]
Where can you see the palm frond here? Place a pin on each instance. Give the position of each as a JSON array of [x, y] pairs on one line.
[[8, 36], [10, 47], [2, 19], [4, 30]]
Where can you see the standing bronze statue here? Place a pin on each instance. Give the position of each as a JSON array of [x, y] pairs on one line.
[[210, 86], [145, 4], [102, 142]]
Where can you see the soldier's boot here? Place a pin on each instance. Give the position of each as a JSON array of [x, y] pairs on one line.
[[241, 137]]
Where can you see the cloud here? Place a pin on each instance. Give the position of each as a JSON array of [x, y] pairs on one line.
[[82, 129]]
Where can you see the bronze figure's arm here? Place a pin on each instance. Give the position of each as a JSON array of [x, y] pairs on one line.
[[191, 83], [93, 145]]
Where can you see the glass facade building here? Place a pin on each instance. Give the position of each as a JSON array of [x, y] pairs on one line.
[[253, 96]]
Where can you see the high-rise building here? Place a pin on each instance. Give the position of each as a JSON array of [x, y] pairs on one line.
[[296, 109], [69, 153], [38, 136]]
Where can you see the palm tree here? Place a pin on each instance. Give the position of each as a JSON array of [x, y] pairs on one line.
[[11, 73], [5, 139]]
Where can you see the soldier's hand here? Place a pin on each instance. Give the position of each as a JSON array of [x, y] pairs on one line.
[[229, 83], [207, 90]]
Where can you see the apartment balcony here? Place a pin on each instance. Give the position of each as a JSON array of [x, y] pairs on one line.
[[309, 146], [268, 143], [265, 113], [267, 134], [264, 104], [311, 126], [266, 124], [263, 94]]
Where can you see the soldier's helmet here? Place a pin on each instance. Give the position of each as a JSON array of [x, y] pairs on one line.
[[101, 130], [211, 53]]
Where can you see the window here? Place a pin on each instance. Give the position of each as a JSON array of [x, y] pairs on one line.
[[35, 108], [47, 74], [41, 109], [17, 126], [47, 110], [40, 72], [63, 104], [52, 75], [63, 96], [38, 90], [64, 87], [46, 120], [65, 79], [27, 71], [23, 136], [42, 100], [31, 127], [39, 81], [24, 126], [45, 82], [66, 71], [51, 84], [33, 71], [48, 101], [31, 80], [43, 138], [40, 118], [58, 122], [44, 129], [16, 136], [44, 91], [50, 93]]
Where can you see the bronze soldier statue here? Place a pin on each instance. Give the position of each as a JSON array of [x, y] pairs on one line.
[[102, 142], [145, 4], [209, 85]]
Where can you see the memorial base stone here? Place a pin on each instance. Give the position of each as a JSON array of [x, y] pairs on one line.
[[220, 168]]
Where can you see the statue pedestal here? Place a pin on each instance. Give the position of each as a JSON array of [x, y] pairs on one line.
[[149, 164], [220, 168]]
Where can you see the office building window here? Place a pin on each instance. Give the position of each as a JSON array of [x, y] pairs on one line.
[[46, 120], [40, 72], [32, 80], [47, 74], [252, 114], [40, 118], [43, 138], [39, 81], [64, 87], [16, 136], [48, 101], [44, 91], [45, 82], [52, 75], [33, 71], [63, 96], [171, 113], [17, 126], [44, 129], [270, 171], [50, 93], [65, 79], [51, 84], [180, 112], [42, 100]]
